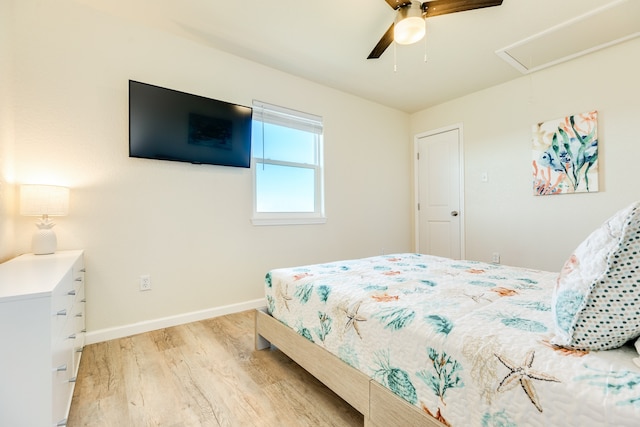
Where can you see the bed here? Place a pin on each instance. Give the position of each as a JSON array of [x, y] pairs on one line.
[[413, 339]]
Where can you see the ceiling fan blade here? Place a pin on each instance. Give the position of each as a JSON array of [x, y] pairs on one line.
[[443, 7], [382, 45], [430, 8], [396, 4]]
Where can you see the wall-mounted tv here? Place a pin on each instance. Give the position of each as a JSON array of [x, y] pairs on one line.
[[166, 124]]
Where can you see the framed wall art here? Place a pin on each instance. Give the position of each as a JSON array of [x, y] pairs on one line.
[[565, 155]]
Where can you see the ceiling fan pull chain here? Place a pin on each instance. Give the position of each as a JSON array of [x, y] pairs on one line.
[[425, 49], [395, 58], [425, 37]]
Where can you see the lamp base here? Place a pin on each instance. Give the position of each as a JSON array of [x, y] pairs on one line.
[[44, 241]]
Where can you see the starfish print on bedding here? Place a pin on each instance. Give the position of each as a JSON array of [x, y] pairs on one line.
[[523, 375], [353, 318]]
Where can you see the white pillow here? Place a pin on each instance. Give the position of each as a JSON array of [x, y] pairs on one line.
[[596, 302]]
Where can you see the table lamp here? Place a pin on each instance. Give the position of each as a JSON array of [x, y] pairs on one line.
[[44, 201]]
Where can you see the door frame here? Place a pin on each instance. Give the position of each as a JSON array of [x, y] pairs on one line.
[[416, 183]]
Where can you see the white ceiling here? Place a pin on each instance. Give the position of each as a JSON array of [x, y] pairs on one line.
[[327, 41]]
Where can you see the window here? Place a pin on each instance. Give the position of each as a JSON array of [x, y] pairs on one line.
[[287, 166]]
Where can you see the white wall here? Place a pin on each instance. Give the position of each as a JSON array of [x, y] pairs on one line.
[[6, 133], [502, 215], [187, 226]]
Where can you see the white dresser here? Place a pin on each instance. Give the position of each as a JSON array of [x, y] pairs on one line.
[[42, 317]]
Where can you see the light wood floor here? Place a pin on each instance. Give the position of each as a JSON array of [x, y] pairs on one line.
[[204, 373]]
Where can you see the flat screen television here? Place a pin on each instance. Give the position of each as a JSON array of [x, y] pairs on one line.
[[166, 124]]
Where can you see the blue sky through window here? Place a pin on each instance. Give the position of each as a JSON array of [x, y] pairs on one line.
[[283, 143], [284, 187]]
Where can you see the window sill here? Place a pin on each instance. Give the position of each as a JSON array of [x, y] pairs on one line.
[[288, 221]]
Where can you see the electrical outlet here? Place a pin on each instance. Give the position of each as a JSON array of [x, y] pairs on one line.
[[145, 282], [495, 258]]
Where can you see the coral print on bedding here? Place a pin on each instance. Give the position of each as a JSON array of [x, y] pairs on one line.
[[466, 342]]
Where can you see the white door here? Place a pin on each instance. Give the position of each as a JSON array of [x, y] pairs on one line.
[[439, 193]]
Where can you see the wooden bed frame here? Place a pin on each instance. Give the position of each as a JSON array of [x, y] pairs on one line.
[[380, 406]]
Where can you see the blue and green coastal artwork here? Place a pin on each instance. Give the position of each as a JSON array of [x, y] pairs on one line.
[[565, 155]]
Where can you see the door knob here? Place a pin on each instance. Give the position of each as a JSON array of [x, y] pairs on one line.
[[454, 213]]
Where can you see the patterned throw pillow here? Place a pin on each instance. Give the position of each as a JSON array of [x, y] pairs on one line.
[[596, 302]]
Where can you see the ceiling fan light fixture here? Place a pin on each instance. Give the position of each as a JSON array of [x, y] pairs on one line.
[[410, 24]]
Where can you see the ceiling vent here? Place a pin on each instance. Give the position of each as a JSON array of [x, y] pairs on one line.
[[613, 23]]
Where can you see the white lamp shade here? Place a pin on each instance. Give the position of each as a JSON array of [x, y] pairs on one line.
[[410, 25], [49, 200]]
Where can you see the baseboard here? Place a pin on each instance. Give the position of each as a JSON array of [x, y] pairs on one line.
[[107, 334]]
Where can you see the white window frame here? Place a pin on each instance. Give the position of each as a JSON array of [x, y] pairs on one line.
[[269, 113]]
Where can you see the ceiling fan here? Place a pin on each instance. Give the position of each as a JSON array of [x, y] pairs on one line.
[[409, 23]]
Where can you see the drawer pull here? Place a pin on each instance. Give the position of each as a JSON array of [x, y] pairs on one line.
[[79, 349], [79, 314], [82, 270], [83, 300], [61, 368], [72, 337], [71, 292], [78, 279], [62, 423], [72, 379], [62, 312]]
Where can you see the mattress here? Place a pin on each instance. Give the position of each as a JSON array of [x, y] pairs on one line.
[[466, 342]]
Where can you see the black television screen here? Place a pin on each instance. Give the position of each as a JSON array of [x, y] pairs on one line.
[[167, 124]]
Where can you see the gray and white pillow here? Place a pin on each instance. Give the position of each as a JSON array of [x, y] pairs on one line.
[[596, 302]]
